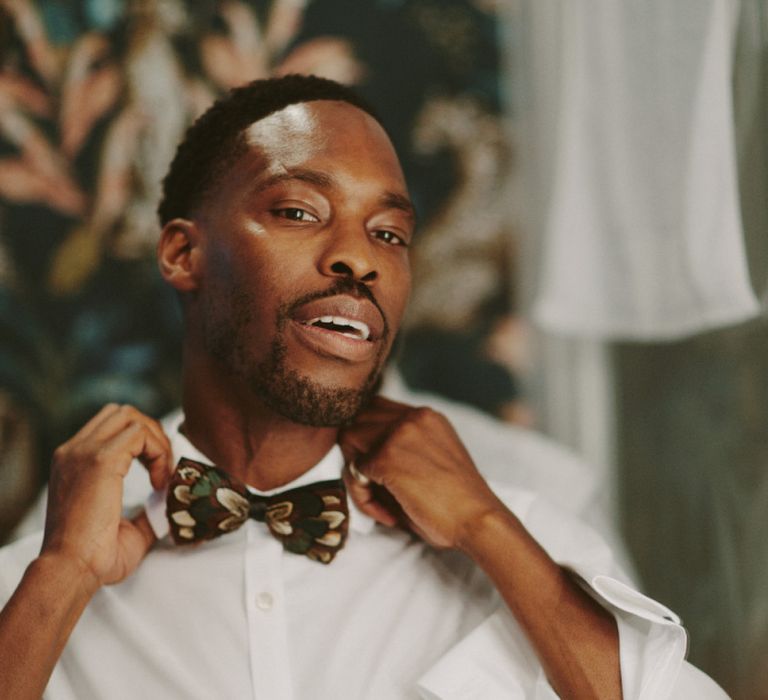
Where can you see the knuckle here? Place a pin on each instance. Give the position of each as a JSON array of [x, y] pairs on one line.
[[60, 453], [430, 415], [431, 420], [421, 414], [411, 427], [403, 432], [387, 454], [61, 450], [102, 457]]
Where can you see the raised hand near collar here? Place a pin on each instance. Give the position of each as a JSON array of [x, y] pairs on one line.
[[87, 542], [84, 522], [420, 473]]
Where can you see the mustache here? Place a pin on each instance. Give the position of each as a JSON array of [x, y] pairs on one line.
[[343, 285]]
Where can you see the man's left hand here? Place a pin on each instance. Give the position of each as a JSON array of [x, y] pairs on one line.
[[420, 473]]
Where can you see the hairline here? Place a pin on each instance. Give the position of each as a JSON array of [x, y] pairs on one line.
[[224, 125], [241, 144]]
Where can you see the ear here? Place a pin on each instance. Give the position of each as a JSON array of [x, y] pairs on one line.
[[179, 254]]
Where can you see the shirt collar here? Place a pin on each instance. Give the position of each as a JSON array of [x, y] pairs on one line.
[[329, 467]]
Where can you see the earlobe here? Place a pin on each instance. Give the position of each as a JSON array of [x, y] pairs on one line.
[[178, 254]]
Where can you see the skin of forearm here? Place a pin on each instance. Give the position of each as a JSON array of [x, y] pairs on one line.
[[36, 623], [575, 639]]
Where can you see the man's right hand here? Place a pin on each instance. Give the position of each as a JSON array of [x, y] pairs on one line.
[[87, 543], [84, 522]]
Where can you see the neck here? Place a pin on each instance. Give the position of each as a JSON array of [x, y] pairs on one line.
[[237, 432]]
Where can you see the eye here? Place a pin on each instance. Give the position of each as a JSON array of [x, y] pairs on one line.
[[296, 214], [389, 237]]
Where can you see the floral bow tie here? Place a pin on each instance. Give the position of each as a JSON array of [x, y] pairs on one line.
[[205, 502]]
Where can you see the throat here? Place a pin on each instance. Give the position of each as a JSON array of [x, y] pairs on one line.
[[265, 452]]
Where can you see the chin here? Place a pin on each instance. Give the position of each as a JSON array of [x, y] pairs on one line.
[[307, 400]]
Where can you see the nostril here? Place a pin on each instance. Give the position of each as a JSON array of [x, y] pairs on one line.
[[341, 268]]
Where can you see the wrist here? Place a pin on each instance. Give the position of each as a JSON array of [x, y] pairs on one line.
[[68, 571], [487, 527]]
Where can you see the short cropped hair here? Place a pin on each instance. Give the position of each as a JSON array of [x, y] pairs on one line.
[[216, 139]]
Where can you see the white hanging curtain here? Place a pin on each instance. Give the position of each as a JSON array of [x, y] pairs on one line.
[[643, 238]]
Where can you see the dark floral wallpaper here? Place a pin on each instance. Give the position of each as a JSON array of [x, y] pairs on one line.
[[95, 95]]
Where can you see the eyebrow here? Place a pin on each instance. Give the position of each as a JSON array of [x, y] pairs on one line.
[[393, 200], [389, 200], [313, 177]]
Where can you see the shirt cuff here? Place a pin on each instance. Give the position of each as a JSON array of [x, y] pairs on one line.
[[496, 660], [154, 507], [652, 642]]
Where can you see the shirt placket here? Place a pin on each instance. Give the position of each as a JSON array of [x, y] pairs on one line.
[[266, 612]]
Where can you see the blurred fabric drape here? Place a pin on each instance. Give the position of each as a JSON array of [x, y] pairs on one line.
[[644, 233], [647, 160]]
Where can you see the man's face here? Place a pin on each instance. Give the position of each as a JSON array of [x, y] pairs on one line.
[[306, 271]]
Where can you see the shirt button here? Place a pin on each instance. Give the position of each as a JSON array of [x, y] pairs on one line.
[[264, 601]]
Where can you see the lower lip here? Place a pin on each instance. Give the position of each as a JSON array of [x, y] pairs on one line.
[[334, 345]]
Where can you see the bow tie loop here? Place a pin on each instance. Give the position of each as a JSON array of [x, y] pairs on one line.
[[204, 502]]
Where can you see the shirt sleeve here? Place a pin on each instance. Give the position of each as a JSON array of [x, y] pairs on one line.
[[496, 660]]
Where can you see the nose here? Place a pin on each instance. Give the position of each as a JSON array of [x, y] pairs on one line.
[[349, 252]]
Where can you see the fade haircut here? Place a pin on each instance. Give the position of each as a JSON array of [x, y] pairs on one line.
[[216, 139]]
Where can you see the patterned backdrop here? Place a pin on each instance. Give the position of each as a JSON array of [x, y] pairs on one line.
[[95, 95]]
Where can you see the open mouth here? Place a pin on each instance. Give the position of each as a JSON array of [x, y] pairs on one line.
[[348, 327]]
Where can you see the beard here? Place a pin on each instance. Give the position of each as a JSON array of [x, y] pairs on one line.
[[303, 400], [294, 396]]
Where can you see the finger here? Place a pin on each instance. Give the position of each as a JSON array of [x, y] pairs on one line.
[[362, 443], [88, 430], [136, 539], [142, 525], [165, 469], [154, 426], [157, 457], [365, 498], [116, 420], [158, 461], [383, 418], [137, 441], [374, 422], [383, 402], [357, 475], [383, 409]]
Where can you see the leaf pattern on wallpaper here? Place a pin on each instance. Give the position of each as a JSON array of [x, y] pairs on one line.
[[94, 97]]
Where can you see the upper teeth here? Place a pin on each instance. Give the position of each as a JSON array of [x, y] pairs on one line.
[[363, 332]]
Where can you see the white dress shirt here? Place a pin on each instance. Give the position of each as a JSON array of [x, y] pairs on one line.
[[389, 618]]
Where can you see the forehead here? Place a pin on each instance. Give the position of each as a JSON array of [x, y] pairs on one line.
[[323, 131]]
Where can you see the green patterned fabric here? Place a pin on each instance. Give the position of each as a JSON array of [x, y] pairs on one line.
[[205, 502]]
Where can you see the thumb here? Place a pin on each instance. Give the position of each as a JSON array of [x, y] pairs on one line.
[[136, 539], [141, 524]]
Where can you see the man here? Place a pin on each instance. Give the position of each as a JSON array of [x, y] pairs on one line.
[[286, 226]]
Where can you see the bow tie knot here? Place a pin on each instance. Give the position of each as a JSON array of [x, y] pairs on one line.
[[205, 502]]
